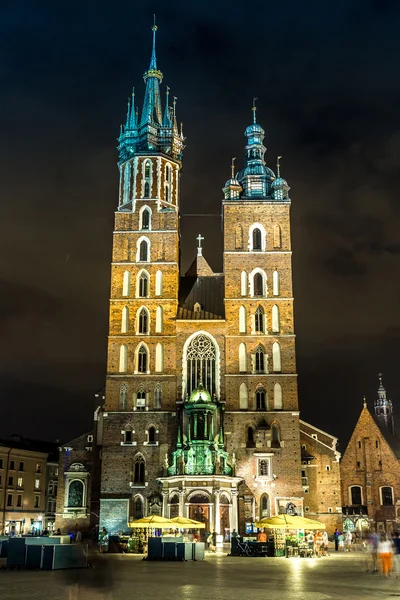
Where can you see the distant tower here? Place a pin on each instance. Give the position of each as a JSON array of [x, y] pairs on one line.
[[383, 407]]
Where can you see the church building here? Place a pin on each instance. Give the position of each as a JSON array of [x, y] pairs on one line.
[[201, 411]]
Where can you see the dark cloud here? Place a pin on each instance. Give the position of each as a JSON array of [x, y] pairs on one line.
[[329, 100]]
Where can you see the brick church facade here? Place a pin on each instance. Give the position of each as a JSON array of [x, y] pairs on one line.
[[201, 412]]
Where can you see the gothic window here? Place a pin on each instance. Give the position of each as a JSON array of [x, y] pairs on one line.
[[127, 181], [264, 509], [167, 192], [201, 357], [168, 182], [257, 239], [159, 319], [275, 436], [139, 471], [276, 357], [138, 508], [141, 400], [263, 467], [242, 358], [123, 358], [142, 360], [143, 285], [259, 320], [126, 283], [143, 324], [123, 397], [260, 399], [125, 320], [147, 170], [238, 237], [386, 496], [52, 488], [277, 236], [260, 367], [158, 283], [158, 396], [243, 283], [159, 358], [146, 190], [128, 436], [250, 443], [147, 178], [278, 402], [355, 494], [75, 493], [144, 251], [258, 285], [275, 283], [151, 435], [275, 319], [243, 397], [145, 219], [242, 319]]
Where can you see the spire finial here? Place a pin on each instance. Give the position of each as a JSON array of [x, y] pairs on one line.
[[233, 167], [278, 166], [153, 62], [254, 109], [181, 129], [128, 114], [365, 401], [199, 238], [174, 105]]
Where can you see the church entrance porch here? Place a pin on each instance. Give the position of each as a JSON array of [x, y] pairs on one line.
[[200, 512]]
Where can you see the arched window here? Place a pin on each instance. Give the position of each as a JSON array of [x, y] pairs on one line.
[[264, 506], [201, 355], [386, 494], [242, 319], [139, 471], [258, 285], [159, 358], [125, 320], [257, 239], [238, 237], [277, 236], [250, 443], [158, 396], [243, 397], [126, 284], [144, 251], [123, 397], [158, 283], [275, 319], [151, 435], [145, 219], [275, 436], [276, 357], [261, 399], [138, 508], [123, 358], [142, 360], [275, 283], [52, 488], [147, 179], [75, 493], [168, 182], [159, 319], [168, 173], [243, 283], [143, 284], [128, 435], [147, 170], [141, 400], [260, 366], [259, 320], [146, 189], [143, 321], [356, 494], [242, 358], [278, 401]]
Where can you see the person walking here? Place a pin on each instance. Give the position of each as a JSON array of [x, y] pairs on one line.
[[325, 542], [348, 538], [373, 541], [341, 542], [336, 536], [103, 540], [396, 555], [385, 555], [214, 540]]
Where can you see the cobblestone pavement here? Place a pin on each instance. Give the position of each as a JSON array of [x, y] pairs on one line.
[[117, 577]]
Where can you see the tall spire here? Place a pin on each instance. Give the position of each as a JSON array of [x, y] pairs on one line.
[[132, 121], [153, 61], [167, 117], [384, 407], [152, 103], [254, 109]]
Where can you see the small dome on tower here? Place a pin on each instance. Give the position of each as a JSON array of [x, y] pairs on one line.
[[200, 395], [253, 129]]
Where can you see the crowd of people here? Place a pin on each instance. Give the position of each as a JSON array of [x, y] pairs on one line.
[[382, 553]]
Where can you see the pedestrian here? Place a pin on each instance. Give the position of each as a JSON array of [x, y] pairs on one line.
[[396, 555], [310, 542], [385, 555], [214, 540], [78, 537], [336, 536], [347, 541], [325, 542], [341, 542], [373, 541], [103, 540]]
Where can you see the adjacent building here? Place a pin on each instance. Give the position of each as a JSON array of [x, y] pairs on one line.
[[370, 469], [201, 411], [25, 483]]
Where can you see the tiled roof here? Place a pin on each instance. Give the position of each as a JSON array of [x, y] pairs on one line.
[[208, 292]]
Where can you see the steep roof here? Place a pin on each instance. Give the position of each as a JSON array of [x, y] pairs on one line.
[[203, 287], [18, 442], [367, 417]]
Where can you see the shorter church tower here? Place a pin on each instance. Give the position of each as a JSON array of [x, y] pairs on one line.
[[383, 407]]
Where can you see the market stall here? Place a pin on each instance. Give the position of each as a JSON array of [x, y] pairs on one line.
[[288, 534]]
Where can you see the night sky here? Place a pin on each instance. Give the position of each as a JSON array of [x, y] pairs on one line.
[[327, 79]]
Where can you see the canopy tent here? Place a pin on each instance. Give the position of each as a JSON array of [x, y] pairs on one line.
[[185, 523], [152, 521], [289, 522]]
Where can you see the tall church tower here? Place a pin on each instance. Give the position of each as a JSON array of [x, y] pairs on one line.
[[383, 407], [260, 369]]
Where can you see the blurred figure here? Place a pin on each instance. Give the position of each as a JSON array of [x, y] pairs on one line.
[[78, 537], [348, 540], [336, 536], [396, 555], [341, 542], [373, 541], [385, 555], [103, 540]]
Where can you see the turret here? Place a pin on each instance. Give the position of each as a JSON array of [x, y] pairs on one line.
[[383, 407]]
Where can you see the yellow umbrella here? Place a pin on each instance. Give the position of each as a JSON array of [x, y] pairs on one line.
[[289, 522], [152, 521], [184, 523]]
